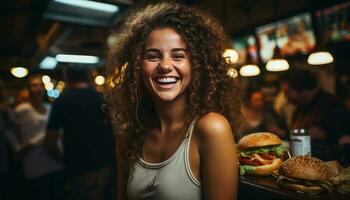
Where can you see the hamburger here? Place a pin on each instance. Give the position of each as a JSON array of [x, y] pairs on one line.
[[305, 174], [342, 181], [260, 153]]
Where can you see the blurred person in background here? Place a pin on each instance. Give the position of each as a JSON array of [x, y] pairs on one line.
[[42, 173], [22, 96], [259, 117], [88, 147], [3, 123], [323, 114], [4, 156], [281, 106], [11, 172]]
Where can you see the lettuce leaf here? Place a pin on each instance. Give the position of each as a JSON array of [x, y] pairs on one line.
[[278, 150], [245, 169]]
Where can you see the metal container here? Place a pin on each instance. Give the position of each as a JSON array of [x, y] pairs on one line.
[[300, 142]]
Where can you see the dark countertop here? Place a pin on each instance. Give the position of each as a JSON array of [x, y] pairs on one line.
[[256, 187]]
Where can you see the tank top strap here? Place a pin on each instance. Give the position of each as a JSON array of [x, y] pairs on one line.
[[187, 156], [190, 129]]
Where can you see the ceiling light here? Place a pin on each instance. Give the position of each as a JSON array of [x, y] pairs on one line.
[[320, 55], [46, 79], [19, 72], [249, 70], [53, 93], [320, 58], [77, 58], [93, 5], [48, 63], [49, 86], [99, 80], [231, 56], [276, 65]]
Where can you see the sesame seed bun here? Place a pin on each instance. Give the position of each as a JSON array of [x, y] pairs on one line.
[[259, 139], [306, 168]]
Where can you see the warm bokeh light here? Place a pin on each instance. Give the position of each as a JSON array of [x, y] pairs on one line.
[[60, 86], [232, 72], [249, 70], [231, 56], [19, 72], [277, 65], [46, 79], [320, 58], [49, 86], [99, 80]]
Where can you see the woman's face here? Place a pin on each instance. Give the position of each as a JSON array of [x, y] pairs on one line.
[[166, 68]]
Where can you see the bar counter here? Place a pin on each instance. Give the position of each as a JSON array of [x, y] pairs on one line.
[[260, 188]]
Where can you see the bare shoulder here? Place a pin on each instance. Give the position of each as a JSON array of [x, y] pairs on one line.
[[213, 125]]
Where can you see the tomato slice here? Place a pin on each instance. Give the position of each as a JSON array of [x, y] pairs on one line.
[[267, 156], [248, 161]]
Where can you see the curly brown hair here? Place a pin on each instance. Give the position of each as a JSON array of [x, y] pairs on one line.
[[211, 89]]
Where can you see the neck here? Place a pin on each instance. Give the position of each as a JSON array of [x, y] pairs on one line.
[[36, 101], [171, 114]]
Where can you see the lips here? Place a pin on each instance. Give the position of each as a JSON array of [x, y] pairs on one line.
[[166, 82]]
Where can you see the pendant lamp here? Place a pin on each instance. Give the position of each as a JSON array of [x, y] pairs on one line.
[[250, 69], [277, 63], [320, 55]]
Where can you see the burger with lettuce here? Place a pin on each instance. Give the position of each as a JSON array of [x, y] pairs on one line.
[[260, 153]]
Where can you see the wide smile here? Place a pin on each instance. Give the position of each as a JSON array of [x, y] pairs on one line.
[[166, 82]]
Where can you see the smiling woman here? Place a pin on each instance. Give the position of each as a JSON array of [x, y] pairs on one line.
[[166, 65], [174, 108]]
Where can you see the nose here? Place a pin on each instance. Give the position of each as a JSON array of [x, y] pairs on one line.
[[165, 66]]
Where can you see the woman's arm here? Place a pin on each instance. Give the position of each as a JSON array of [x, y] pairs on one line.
[[218, 157]]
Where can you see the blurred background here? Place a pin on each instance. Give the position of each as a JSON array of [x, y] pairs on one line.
[[35, 32], [270, 42]]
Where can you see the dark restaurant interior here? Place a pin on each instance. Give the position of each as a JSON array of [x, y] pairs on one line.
[[290, 59]]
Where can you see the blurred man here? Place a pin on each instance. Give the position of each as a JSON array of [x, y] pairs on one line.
[[42, 173], [88, 148], [321, 113]]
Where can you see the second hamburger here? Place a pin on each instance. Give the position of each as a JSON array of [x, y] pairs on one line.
[[305, 174]]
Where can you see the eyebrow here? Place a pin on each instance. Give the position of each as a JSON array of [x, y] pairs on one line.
[[172, 50]]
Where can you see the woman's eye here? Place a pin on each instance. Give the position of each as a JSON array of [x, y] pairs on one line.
[[152, 57], [178, 56]]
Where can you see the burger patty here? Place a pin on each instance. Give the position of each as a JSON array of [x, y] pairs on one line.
[[305, 183]]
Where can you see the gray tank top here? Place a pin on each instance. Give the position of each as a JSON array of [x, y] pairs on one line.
[[171, 179]]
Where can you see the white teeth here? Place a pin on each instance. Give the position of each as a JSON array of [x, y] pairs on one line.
[[167, 80]]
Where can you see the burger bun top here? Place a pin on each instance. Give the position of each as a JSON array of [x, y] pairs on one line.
[[259, 139], [306, 168]]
